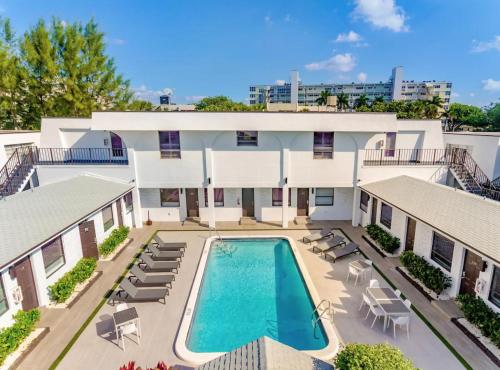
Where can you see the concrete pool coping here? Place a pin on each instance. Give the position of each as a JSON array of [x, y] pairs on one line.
[[199, 358]]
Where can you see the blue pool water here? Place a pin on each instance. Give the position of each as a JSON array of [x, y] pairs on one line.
[[251, 289]]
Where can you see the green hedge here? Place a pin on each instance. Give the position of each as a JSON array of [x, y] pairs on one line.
[[386, 241], [432, 277], [358, 356], [113, 240], [62, 288], [12, 337], [477, 312]]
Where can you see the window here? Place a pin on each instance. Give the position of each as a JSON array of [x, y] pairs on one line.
[[169, 197], [107, 217], [53, 256], [390, 144], [442, 251], [386, 215], [129, 205], [218, 197], [324, 196], [323, 145], [277, 197], [170, 144], [494, 291], [246, 138], [4, 306], [363, 201]]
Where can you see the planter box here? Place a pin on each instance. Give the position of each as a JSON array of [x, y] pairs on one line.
[[80, 289], [429, 294], [474, 334], [118, 250], [378, 248], [15, 358]]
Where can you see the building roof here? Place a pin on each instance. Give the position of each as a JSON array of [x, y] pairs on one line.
[[465, 217], [32, 217], [473, 133], [265, 354]]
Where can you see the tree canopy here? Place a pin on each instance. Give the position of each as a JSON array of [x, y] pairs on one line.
[[56, 69], [224, 104]]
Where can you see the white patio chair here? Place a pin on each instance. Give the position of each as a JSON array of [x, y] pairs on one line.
[[377, 312], [374, 283], [364, 300], [402, 320], [397, 292], [126, 329], [369, 269], [354, 272]]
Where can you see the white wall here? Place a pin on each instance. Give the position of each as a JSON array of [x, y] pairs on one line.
[[341, 209], [16, 138]]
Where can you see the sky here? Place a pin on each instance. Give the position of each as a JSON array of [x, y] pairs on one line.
[[204, 48]]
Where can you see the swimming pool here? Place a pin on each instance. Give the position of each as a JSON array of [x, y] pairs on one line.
[[249, 287]]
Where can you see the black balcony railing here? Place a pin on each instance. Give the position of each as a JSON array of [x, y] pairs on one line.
[[78, 156], [408, 157]]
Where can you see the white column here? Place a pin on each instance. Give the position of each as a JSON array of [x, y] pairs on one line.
[[136, 199], [355, 207], [209, 181], [285, 153], [284, 207]]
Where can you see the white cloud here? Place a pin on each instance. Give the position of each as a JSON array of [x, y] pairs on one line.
[[340, 62], [118, 42], [268, 20], [143, 93], [194, 98], [382, 14], [362, 76], [491, 85], [472, 94], [351, 36], [455, 95], [481, 46], [280, 82], [288, 18]]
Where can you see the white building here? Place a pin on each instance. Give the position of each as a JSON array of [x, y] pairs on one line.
[[394, 89], [277, 167], [45, 231]]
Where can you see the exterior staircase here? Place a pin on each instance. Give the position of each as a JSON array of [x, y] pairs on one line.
[[16, 171]]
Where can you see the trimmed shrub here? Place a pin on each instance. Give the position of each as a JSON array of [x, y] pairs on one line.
[[116, 237], [356, 356], [477, 312], [62, 288], [12, 337], [386, 241], [432, 277]]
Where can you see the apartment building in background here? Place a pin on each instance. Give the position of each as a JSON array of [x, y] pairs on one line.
[[396, 88]]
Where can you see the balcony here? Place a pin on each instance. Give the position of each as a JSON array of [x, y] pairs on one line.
[[409, 157], [80, 156]]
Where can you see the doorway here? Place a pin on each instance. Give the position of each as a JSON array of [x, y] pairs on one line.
[[247, 202], [303, 202], [473, 265], [411, 225], [119, 212], [88, 239], [193, 209], [24, 276], [374, 211], [116, 145]]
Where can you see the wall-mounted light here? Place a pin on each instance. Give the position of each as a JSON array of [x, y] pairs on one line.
[[106, 142], [286, 180], [181, 190], [485, 266], [209, 181], [312, 190]]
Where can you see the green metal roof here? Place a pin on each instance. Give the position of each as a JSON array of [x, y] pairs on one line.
[[32, 217]]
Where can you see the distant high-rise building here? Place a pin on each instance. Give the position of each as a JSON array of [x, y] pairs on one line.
[[394, 89]]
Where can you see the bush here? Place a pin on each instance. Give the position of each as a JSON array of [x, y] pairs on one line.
[[477, 312], [386, 241], [62, 288], [357, 356], [432, 277], [12, 337], [116, 237]]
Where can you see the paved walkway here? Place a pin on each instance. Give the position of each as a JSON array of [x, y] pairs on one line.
[[96, 347]]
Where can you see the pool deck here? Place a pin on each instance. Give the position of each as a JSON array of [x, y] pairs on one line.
[[97, 348]]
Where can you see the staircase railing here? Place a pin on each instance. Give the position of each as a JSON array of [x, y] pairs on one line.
[[15, 170]]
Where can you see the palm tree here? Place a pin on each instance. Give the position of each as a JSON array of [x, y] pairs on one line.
[[436, 101], [362, 101], [323, 97], [378, 99], [342, 101]]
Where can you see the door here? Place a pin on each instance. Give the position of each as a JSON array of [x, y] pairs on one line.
[[24, 276], [247, 203], [88, 239], [472, 267], [119, 212], [116, 145], [302, 201], [192, 204], [411, 225], [374, 211]]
